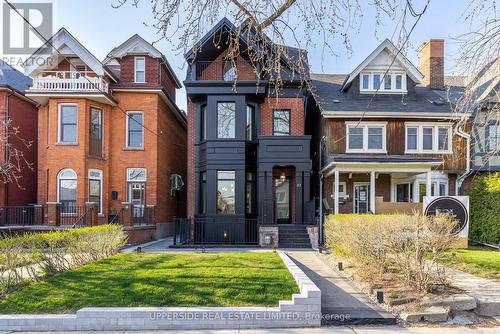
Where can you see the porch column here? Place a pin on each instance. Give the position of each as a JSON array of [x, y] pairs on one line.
[[372, 191], [428, 186], [336, 192]]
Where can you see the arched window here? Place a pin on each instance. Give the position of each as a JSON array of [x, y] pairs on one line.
[[66, 190]]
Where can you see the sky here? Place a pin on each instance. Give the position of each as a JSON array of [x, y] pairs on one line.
[[100, 27]]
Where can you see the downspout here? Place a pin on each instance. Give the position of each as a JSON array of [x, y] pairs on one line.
[[320, 169], [458, 186]]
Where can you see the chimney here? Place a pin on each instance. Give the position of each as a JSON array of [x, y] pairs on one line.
[[431, 63]]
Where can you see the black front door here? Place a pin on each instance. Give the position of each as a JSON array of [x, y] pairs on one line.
[[282, 191]]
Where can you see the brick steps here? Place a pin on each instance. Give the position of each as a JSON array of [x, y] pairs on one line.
[[293, 236]]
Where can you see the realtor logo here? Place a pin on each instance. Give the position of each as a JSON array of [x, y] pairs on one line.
[[19, 37]]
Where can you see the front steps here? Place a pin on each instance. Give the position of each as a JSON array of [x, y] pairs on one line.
[[293, 236]]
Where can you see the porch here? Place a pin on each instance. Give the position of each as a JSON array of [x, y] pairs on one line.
[[385, 185]]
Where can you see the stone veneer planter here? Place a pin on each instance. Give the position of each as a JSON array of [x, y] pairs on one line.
[[304, 310]]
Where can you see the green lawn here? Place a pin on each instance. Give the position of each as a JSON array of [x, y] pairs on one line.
[[175, 279], [480, 262]]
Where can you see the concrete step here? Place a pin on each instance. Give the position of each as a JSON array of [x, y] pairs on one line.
[[294, 241], [308, 246]]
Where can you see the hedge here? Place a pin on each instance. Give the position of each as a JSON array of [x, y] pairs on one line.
[[30, 256], [485, 209]]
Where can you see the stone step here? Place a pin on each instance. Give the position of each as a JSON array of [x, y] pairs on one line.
[[294, 246], [295, 240]]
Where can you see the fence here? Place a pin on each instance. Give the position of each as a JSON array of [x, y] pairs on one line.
[[22, 215], [215, 70], [221, 230], [76, 215]]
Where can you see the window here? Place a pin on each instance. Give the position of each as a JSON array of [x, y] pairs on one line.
[[366, 137], [387, 82], [226, 119], [376, 81], [68, 114], [250, 120], [66, 190], [428, 138], [384, 82], [140, 69], [203, 193], [229, 70], [342, 190], [136, 189], [226, 192], [250, 194], [411, 138], [134, 130], [281, 122], [404, 192], [95, 135], [493, 137], [366, 81], [438, 188], [204, 122], [95, 188]]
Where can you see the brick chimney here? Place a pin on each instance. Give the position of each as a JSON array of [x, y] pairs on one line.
[[431, 63]]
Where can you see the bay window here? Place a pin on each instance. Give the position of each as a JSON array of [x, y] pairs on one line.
[[366, 137], [226, 181], [226, 120]]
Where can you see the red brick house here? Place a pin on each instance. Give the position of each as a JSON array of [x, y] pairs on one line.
[[110, 132], [22, 113]]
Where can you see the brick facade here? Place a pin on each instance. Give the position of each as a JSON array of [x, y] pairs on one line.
[[297, 115], [191, 185], [431, 63]]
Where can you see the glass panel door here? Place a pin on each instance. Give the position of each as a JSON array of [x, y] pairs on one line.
[[361, 198], [282, 188], [137, 196]]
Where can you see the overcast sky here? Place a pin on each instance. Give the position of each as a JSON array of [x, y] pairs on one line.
[[100, 27]]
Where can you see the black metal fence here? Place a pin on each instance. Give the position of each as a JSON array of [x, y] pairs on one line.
[[22, 215], [144, 215], [76, 215], [203, 230]]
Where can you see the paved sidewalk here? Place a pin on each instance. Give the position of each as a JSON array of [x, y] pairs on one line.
[[323, 330], [342, 303], [486, 292]]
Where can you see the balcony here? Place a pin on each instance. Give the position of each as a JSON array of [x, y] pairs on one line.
[[215, 70], [66, 81]]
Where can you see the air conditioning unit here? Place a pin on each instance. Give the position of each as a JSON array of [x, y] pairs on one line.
[[176, 183]]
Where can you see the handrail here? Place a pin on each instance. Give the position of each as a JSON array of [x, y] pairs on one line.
[[84, 215]]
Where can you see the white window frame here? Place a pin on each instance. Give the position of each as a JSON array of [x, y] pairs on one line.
[[435, 137], [493, 138], [382, 89], [59, 120], [129, 170], [136, 70], [100, 179], [127, 121], [58, 179], [342, 194], [365, 126], [435, 183]]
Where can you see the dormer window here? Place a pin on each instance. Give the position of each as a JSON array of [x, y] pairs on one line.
[[382, 82], [140, 69]]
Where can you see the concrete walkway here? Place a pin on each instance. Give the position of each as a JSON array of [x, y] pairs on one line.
[[485, 291], [342, 302]]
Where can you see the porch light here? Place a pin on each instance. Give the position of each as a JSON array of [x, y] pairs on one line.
[[225, 234], [268, 239]]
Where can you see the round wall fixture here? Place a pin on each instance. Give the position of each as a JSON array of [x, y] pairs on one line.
[[451, 206]]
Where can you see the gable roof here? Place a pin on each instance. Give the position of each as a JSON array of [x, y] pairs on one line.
[[63, 42], [12, 78], [486, 84], [411, 70], [139, 46]]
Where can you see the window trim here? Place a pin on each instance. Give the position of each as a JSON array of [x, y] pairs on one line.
[[365, 126], [217, 189], [135, 69], [217, 118], [492, 138], [289, 122], [127, 121], [392, 74], [59, 125], [102, 128], [342, 194], [100, 178], [203, 122], [58, 185], [435, 137]]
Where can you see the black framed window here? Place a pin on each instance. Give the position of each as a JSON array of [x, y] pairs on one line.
[[226, 182], [95, 135], [250, 193], [203, 193], [249, 133], [204, 122], [68, 115], [226, 120], [134, 129], [281, 122]]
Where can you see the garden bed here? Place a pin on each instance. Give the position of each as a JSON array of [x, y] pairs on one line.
[[136, 280]]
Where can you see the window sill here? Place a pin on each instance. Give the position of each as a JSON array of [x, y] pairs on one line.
[[67, 144], [428, 152], [382, 91], [133, 149], [367, 151]]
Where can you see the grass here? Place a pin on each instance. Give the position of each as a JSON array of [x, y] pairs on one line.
[[480, 262], [176, 279]]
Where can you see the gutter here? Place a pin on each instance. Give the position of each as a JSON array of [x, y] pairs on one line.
[[458, 185]]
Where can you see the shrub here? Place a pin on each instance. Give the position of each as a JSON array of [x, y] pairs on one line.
[[485, 209], [371, 241], [28, 257]]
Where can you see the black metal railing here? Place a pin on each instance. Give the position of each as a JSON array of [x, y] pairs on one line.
[[75, 215], [216, 70], [216, 230], [144, 215], [22, 215]]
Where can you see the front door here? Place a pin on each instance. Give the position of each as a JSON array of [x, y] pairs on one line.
[[361, 198], [137, 196], [282, 190]]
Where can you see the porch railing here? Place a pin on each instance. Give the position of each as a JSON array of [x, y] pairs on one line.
[[216, 70], [22, 215], [75, 215], [204, 230], [57, 81]]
